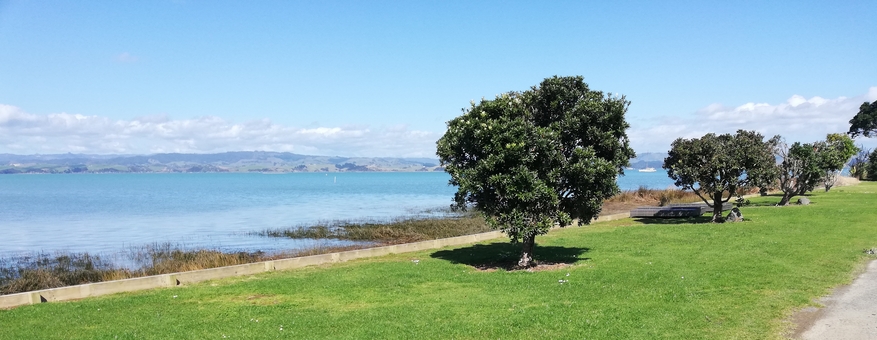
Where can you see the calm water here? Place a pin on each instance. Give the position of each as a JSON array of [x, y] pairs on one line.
[[105, 213]]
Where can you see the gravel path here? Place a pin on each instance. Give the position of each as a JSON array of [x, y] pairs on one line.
[[849, 313]]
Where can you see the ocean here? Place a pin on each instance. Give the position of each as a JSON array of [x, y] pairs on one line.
[[107, 213]]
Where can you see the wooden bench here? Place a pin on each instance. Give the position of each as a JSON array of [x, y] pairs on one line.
[[704, 208], [666, 212], [677, 210]]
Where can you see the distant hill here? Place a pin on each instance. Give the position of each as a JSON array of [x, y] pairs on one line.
[[239, 161], [648, 160]]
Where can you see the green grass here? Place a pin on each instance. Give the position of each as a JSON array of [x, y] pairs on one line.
[[627, 279]]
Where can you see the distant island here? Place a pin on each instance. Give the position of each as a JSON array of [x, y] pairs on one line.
[[239, 161], [648, 160]]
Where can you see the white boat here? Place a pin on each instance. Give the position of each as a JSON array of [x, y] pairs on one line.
[[647, 170]]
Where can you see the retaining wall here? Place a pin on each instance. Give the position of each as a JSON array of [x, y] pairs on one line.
[[176, 279]]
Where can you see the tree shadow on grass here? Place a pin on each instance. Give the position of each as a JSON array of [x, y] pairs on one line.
[[762, 204], [675, 220], [505, 256], [778, 197]]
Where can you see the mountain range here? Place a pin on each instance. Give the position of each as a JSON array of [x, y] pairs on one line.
[[238, 161]]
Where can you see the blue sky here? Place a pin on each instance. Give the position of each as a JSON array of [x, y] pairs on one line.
[[381, 78]]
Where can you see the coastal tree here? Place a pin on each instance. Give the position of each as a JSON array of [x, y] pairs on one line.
[[800, 169], [532, 160], [839, 148], [804, 166], [871, 168], [865, 121], [717, 165]]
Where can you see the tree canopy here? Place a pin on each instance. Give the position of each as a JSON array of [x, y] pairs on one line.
[[838, 150], [800, 169], [532, 160], [871, 167], [804, 166], [717, 164], [865, 121]]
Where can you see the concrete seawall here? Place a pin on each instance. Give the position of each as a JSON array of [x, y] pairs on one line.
[[183, 278]]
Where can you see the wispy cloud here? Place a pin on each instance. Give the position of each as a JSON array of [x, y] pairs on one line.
[[797, 119], [24, 133], [126, 57]]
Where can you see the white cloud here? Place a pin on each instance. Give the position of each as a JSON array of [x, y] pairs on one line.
[[25, 133], [797, 119]]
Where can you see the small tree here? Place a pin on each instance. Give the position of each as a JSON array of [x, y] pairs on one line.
[[829, 179], [800, 169], [837, 151], [717, 164], [859, 163], [532, 160], [804, 166], [865, 121]]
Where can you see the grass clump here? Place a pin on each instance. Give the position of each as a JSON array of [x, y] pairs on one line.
[[645, 195], [43, 271], [166, 259], [399, 230]]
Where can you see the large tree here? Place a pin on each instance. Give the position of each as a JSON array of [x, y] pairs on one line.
[[865, 121], [536, 159], [715, 165]]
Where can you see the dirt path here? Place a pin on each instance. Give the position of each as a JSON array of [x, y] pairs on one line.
[[850, 312]]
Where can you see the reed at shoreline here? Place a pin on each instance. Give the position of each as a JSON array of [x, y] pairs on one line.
[[394, 231], [51, 270]]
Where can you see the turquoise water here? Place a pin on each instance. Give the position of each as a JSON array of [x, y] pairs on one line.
[[105, 213]]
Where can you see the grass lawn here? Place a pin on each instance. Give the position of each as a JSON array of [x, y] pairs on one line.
[[626, 279]]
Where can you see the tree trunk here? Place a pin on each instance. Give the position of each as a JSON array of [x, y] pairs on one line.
[[786, 198], [527, 250], [830, 179], [717, 207]]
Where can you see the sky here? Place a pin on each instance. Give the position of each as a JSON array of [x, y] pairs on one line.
[[381, 78]]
